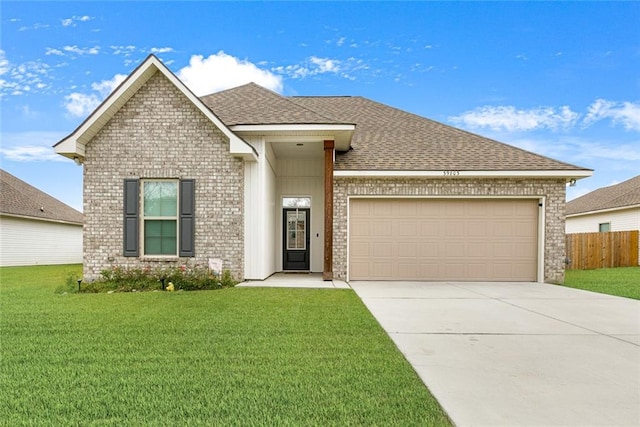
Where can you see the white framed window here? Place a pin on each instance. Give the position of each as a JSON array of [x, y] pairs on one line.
[[159, 217], [604, 226]]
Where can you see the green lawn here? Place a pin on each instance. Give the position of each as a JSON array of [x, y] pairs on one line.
[[238, 356], [622, 281]]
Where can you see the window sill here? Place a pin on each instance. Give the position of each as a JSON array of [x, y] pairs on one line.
[[160, 258]]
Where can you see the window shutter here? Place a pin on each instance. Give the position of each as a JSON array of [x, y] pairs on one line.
[[131, 217], [187, 217]]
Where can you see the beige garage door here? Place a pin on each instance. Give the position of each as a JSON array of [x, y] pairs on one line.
[[443, 239]]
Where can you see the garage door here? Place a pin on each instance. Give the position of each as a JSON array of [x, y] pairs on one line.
[[443, 239]]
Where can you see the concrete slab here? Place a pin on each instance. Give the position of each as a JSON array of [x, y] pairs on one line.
[[518, 353], [529, 380], [411, 290], [295, 280], [462, 316]]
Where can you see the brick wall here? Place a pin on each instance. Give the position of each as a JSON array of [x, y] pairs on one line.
[[552, 189], [159, 133]]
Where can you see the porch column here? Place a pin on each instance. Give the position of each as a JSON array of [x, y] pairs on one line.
[[327, 273]]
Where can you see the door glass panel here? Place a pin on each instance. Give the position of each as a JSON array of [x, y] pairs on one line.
[[296, 202], [296, 230]]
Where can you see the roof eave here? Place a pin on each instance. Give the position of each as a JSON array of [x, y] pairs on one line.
[[37, 218], [567, 175], [605, 210], [342, 133]]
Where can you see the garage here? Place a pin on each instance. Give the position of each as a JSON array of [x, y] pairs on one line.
[[443, 239]]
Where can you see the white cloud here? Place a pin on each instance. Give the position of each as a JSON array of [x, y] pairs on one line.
[[155, 50], [31, 146], [325, 65], [52, 51], [81, 104], [222, 71], [4, 63], [508, 118], [315, 65], [82, 51], [625, 113], [31, 153], [123, 50], [105, 87], [71, 22]]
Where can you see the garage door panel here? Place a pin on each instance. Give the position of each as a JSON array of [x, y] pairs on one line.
[[443, 239], [382, 250]]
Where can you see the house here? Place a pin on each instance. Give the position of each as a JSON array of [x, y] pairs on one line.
[[36, 228], [343, 185], [613, 208]]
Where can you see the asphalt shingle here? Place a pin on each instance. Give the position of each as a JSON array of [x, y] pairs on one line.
[[19, 198], [620, 195], [385, 138]]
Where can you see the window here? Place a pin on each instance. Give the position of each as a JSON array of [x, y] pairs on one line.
[[159, 217], [604, 226]]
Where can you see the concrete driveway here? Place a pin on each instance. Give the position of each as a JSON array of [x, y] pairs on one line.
[[516, 353]]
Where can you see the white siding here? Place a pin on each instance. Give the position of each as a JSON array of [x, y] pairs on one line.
[[620, 220], [33, 242], [303, 177], [259, 212]]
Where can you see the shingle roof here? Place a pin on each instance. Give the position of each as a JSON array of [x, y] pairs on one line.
[[385, 138], [252, 104], [626, 193], [19, 198]]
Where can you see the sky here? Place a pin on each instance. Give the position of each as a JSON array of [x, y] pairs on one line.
[[561, 79]]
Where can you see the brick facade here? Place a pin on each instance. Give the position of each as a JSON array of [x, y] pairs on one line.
[[552, 189], [159, 133]]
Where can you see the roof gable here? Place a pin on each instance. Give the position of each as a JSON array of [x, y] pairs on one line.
[[73, 145], [622, 195], [23, 200]]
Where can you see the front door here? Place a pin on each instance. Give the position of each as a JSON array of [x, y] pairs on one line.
[[295, 239]]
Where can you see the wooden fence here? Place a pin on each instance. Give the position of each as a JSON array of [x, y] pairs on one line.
[[586, 251]]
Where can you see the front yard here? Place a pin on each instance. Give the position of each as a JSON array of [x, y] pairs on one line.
[[238, 356], [622, 281]]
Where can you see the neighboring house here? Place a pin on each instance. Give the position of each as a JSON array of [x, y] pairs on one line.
[[36, 228], [613, 208], [345, 186]]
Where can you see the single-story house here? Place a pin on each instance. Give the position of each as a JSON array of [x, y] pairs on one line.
[[613, 208], [35, 228], [341, 185]]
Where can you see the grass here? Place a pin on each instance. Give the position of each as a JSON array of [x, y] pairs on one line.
[[238, 356], [622, 281]]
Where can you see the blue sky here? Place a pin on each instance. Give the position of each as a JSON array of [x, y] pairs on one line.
[[560, 79]]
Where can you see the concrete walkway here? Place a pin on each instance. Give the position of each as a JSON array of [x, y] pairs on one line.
[[508, 354], [295, 280]]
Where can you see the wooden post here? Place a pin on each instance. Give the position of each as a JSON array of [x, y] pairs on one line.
[[327, 273]]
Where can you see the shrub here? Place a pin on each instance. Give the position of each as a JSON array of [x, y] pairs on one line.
[[119, 279]]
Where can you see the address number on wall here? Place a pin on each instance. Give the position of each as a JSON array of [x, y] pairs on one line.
[[451, 173]]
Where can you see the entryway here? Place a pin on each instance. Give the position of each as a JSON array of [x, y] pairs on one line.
[[295, 239]]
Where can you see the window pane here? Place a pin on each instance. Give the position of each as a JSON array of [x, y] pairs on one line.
[[296, 230], [160, 198], [605, 226], [296, 202], [160, 237]]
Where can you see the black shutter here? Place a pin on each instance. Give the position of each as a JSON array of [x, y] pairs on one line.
[[131, 217], [187, 217]]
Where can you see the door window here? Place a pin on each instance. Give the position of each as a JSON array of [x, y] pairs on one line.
[[296, 230]]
